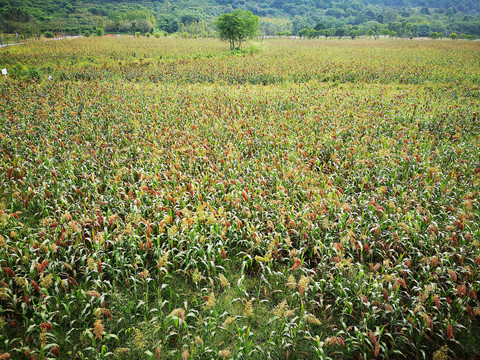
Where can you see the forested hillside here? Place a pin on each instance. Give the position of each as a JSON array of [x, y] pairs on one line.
[[195, 18]]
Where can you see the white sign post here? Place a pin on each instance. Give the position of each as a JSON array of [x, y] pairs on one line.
[[4, 72]]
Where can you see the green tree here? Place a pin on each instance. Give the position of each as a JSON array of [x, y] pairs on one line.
[[425, 11], [330, 32], [341, 32], [454, 36], [375, 31], [354, 33], [237, 27], [144, 26], [305, 33]]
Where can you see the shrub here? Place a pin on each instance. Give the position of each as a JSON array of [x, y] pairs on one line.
[[435, 35], [49, 34]]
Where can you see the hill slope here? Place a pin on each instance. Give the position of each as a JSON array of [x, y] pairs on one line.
[[196, 17]]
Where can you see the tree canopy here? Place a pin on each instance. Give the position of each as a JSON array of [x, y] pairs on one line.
[[236, 27]]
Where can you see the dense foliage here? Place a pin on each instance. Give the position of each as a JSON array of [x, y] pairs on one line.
[[165, 199], [196, 18], [237, 27]]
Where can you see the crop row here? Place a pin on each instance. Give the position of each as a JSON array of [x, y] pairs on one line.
[[269, 62], [199, 221]]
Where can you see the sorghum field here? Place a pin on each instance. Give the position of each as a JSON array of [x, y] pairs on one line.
[[168, 199]]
